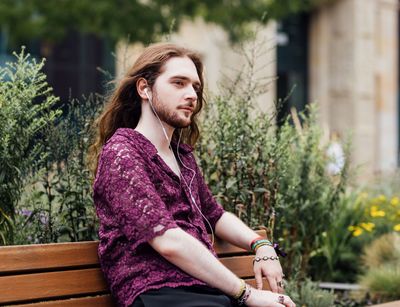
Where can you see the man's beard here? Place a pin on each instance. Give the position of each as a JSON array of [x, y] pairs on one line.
[[170, 117]]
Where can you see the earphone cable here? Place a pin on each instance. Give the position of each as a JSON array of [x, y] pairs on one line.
[[180, 173], [190, 188]]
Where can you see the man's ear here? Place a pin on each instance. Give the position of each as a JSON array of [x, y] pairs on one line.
[[141, 87]]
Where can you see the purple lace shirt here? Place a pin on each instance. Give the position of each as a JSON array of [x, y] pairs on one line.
[[138, 197]]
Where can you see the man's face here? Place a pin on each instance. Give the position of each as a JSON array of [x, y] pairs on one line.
[[175, 92]]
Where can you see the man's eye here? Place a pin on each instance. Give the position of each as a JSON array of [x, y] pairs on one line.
[[180, 83]]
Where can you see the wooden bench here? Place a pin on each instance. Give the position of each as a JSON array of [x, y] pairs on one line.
[[69, 274], [390, 304]]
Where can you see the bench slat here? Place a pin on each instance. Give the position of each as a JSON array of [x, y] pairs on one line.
[[390, 304], [51, 285], [96, 301], [24, 258], [57, 272], [242, 266], [75, 282]]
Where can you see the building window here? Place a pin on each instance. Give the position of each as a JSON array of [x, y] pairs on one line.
[[292, 54], [72, 64]]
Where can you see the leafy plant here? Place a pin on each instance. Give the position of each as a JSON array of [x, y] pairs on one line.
[[308, 196], [26, 102], [307, 293], [337, 258], [385, 249], [383, 282], [61, 187], [382, 261], [76, 203], [265, 174], [381, 215], [361, 216]]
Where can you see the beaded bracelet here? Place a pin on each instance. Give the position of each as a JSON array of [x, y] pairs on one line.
[[265, 258], [242, 301]]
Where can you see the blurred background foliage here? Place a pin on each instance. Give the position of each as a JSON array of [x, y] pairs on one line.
[[274, 177], [381, 259], [26, 103], [57, 205], [45, 188], [141, 21], [308, 294]]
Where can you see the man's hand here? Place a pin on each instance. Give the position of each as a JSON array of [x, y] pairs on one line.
[[270, 269], [230, 228], [262, 298]]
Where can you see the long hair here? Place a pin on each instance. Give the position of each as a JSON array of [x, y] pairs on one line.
[[123, 109]]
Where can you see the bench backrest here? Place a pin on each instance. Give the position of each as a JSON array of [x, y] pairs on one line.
[[69, 274]]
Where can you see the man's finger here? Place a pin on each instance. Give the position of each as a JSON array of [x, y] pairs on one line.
[[281, 286], [288, 301], [259, 281], [272, 284]]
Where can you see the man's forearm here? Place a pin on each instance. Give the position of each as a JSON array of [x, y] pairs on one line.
[[231, 229], [191, 256]]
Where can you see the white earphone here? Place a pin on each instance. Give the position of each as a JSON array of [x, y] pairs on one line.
[[189, 186], [147, 94]]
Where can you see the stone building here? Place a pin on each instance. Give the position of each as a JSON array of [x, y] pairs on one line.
[[353, 76]]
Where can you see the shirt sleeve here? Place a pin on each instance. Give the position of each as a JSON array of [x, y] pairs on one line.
[[130, 196], [211, 209]]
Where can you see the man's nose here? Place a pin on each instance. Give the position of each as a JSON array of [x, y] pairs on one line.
[[191, 93]]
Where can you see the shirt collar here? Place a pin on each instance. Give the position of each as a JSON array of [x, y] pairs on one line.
[[146, 145]]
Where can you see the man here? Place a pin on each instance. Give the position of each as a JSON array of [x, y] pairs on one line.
[[152, 202]]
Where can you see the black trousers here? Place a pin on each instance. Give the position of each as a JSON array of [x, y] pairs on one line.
[[194, 296]]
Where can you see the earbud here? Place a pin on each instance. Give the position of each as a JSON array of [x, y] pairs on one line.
[[147, 94]]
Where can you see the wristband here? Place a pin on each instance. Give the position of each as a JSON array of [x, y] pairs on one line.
[[254, 241], [260, 242], [242, 301], [241, 292]]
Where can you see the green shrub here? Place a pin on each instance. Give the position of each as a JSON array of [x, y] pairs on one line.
[[308, 294], [381, 215], [382, 261], [26, 102], [383, 250], [362, 216], [58, 206], [308, 198], [338, 257], [45, 186], [383, 282], [266, 174]]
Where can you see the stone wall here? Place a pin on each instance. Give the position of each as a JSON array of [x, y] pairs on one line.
[[353, 77]]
